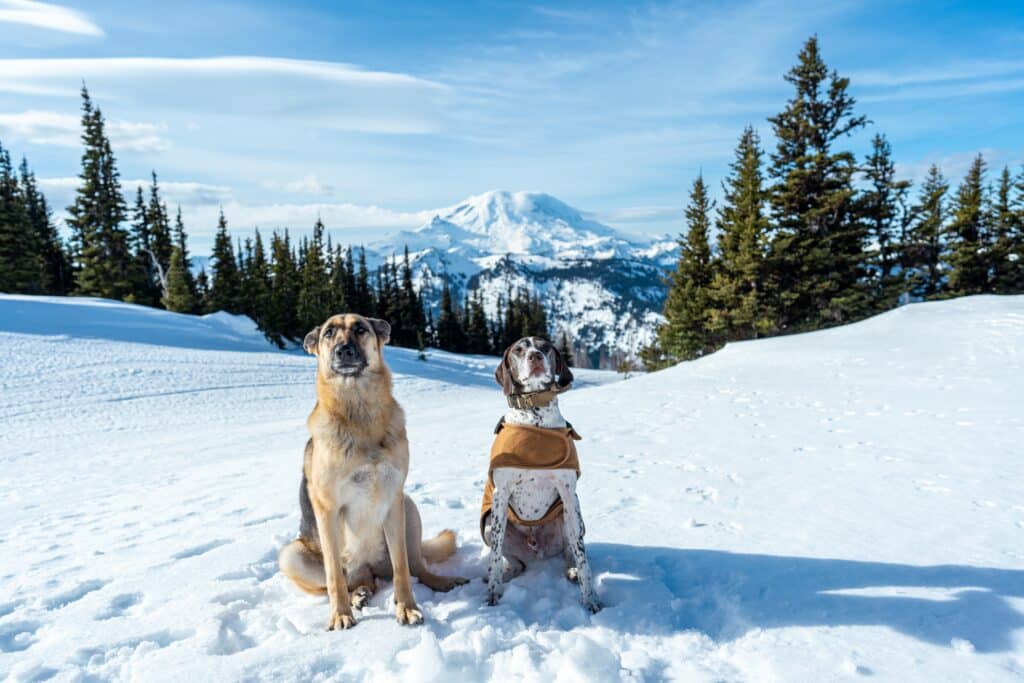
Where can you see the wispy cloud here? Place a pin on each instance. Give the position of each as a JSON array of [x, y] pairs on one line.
[[47, 16], [61, 190], [55, 128], [331, 95], [307, 184]]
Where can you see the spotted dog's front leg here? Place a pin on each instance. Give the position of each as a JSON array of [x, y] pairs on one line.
[[574, 536], [499, 521]]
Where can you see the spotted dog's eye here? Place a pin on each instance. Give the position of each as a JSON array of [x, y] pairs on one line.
[[518, 350]]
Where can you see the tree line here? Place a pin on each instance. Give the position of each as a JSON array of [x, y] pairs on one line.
[[139, 255], [819, 238]]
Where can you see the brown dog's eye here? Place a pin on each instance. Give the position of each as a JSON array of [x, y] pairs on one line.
[[329, 333], [360, 329]]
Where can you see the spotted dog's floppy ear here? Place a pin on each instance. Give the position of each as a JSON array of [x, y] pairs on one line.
[[563, 375], [312, 340], [503, 374], [382, 328]]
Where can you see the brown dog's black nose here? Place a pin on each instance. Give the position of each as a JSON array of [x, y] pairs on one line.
[[345, 351]]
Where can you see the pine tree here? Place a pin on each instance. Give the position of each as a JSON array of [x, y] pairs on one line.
[[362, 299], [281, 322], [55, 268], [742, 309], [202, 301], [20, 266], [258, 281], [450, 335], [565, 350], [686, 333], [1006, 229], [968, 255], [145, 278], [179, 294], [817, 246], [1015, 274], [411, 322], [922, 251], [104, 263], [880, 208], [180, 238], [160, 239], [225, 290], [315, 298], [477, 333]]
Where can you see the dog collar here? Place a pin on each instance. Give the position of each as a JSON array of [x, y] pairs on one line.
[[533, 399]]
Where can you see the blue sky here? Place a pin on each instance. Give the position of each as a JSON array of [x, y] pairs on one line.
[[371, 114]]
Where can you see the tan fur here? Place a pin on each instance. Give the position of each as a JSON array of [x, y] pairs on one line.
[[355, 471]]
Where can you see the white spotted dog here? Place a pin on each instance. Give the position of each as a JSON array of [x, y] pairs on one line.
[[530, 509]]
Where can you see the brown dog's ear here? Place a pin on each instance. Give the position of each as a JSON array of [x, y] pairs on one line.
[[563, 375], [503, 374], [382, 328], [312, 340]]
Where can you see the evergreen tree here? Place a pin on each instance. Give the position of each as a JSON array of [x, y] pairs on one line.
[[225, 290], [281, 322], [20, 266], [161, 241], [104, 263], [145, 277], [362, 299], [686, 333], [258, 281], [315, 296], [179, 294], [339, 281], [181, 242], [450, 335], [817, 246], [880, 208], [922, 251], [1006, 230], [477, 333], [411, 321], [742, 309], [565, 349], [202, 301], [968, 255], [55, 275]]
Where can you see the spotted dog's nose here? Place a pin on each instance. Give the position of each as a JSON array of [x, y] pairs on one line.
[[535, 356]]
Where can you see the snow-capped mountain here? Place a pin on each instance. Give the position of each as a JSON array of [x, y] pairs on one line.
[[605, 289]]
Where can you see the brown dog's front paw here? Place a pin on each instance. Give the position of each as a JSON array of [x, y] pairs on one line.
[[443, 584], [360, 597], [408, 614], [340, 622]]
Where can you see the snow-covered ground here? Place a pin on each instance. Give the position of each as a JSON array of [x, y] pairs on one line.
[[830, 506]]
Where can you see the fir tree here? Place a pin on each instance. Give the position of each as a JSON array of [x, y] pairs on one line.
[[202, 301], [104, 263], [179, 294], [362, 299], [55, 275], [565, 350], [880, 208], [20, 266], [161, 241], [741, 307], [281, 322], [411, 320], [817, 247], [450, 335], [968, 249], [145, 277], [686, 333], [180, 238], [922, 251], [225, 290], [315, 297], [1006, 230], [477, 333]]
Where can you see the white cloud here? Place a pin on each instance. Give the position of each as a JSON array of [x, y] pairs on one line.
[[55, 128], [59, 191], [329, 95], [47, 16], [308, 184], [302, 216]]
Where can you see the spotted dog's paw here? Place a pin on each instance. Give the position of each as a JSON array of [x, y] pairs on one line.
[[572, 574]]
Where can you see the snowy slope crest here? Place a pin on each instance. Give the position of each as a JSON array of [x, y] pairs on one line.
[[602, 287]]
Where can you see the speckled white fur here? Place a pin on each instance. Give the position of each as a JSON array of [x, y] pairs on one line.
[[531, 493]]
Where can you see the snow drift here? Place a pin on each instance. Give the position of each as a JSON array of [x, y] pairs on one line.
[[827, 506]]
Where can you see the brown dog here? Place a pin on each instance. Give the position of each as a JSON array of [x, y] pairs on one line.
[[357, 523]]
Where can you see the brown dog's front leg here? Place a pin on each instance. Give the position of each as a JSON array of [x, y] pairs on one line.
[[394, 534], [328, 523]]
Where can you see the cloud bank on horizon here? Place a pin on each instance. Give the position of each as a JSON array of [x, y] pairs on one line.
[[366, 117]]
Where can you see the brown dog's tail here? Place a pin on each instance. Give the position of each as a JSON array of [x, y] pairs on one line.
[[440, 547]]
